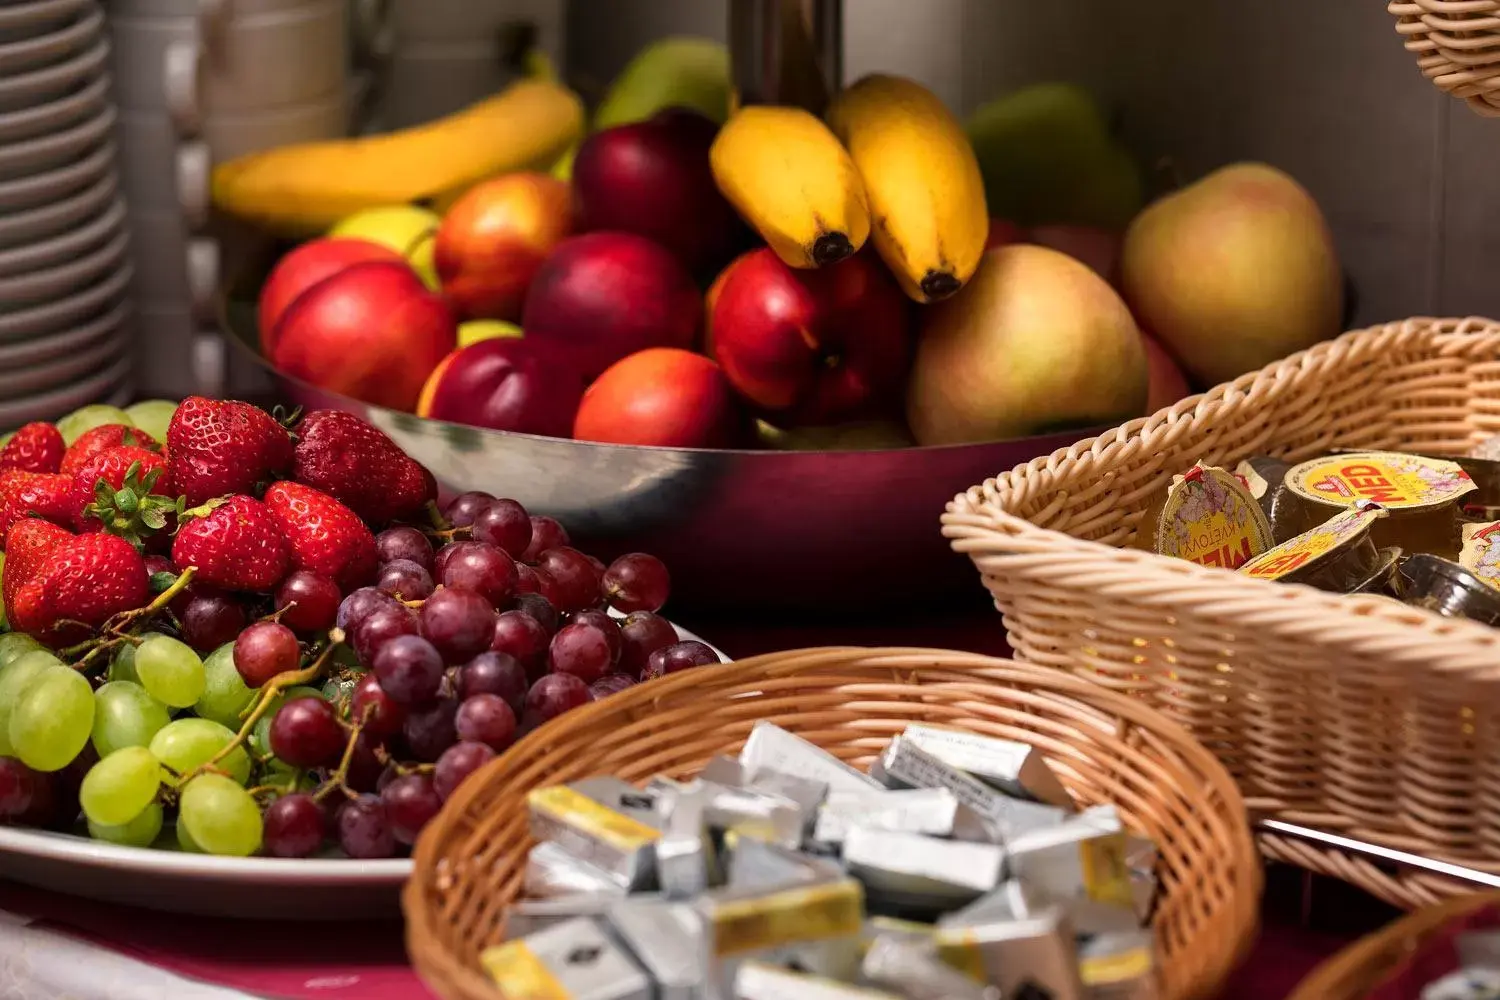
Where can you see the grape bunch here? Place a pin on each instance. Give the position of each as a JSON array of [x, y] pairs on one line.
[[294, 682]]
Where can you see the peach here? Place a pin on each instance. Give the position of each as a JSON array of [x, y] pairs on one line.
[[304, 267], [505, 384], [662, 396]]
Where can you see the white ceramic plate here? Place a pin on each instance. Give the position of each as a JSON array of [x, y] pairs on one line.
[[45, 119], [265, 888], [113, 322], [56, 317], [38, 189], [30, 18], [39, 223], [50, 83], [69, 245], [31, 54], [24, 382], [53, 404], [42, 153], [62, 280]]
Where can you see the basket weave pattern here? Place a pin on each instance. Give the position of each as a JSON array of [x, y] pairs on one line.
[[1457, 44], [1105, 748], [1355, 715]]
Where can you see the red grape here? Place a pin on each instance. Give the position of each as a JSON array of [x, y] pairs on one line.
[[159, 564], [312, 602], [538, 607], [553, 695], [404, 543], [306, 733], [364, 831], [360, 604], [382, 714], [678, 656], [49, 804], [547, 588], [506, 525], [520, 635], [459, 622], [264, 650], [546, 533], [410, 803], [577, 581], [581, 650], [18, 788], [457, 763], [410, 669], [405, 580], [637, 582], [210, 619], [465, 507], [641, 634], [610, 684], [604, 623], [429, 730], [294, 826], [487, 719], [380, 627], [597, 563], [365, 765], [526, 579], [496, 673], [482, 568]]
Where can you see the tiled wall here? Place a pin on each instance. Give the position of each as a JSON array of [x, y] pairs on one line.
[[1410, 179]]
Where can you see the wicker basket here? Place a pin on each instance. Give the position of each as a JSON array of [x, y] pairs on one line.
[[1365, 964], [1457, 43], [1106, 748], [1356, 716]]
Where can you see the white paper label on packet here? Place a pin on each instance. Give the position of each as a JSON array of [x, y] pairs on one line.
[[771, 748], [932, 811], [906, 763]]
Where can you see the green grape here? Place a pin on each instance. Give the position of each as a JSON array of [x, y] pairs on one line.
[[52, 721], [15, 678], [122, 666], [141, 831], [125, 716], [187, 744], [185, 840], [283, 776], [152, 416], [13, 644], [87, 418], [225, 695], [220, 816], [170, 671], [118, 787]]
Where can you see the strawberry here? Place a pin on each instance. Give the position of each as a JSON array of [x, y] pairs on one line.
[[221, 447], [358, 465], [35, 447], [28, 543], [91, 442], [85, 581], [325, 536], [34, 494], [99, 485], [236, 544]]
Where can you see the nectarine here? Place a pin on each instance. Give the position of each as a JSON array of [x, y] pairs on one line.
[[662, 396], [505, 384], [304, 267]]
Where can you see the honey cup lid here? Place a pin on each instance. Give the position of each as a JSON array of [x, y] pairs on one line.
[[1339, 533], [1211, 519], [1394, 480]]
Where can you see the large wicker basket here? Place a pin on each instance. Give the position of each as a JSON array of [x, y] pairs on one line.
[[1365, 964], [1457, 44], [1359, 717], [1105, 747]]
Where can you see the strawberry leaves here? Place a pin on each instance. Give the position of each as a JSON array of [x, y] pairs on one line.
[[133, 511]]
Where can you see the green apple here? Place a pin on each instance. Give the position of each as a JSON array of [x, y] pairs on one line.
[[406, 229], [152, 416], [87, 418], [476, 330]]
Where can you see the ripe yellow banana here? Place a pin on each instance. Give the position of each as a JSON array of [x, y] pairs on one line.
[[926, 193], [304, 189], [792, 181]]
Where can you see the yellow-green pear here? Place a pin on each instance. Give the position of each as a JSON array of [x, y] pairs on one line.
[[407, 229], [1035, 343], [679, 71], [476, 330], [1234, 272]]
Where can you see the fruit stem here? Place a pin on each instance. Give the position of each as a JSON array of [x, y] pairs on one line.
[[130, 619], [341, 773], [439, 522], [448, 534]]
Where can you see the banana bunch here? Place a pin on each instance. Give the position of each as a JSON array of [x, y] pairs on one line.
[[304, 189]]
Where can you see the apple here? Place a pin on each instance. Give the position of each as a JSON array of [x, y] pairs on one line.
[[304, 267], [476, 330], [1097, 247], [662, 396], [653, 178], [372, 331], [812, 347], [406, 229], [1166, 382], [505, 384], [495, 237], [602, 296]]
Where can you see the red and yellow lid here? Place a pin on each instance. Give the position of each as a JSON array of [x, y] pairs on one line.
[[1338, 533], [1211, 519], [1391, 479], [1481, 552]]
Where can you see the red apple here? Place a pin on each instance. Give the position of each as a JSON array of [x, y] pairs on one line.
[[1098, 248], [1003, 232], [812, 347], [662, 396], [495, 237], [372, 331], [304, 267], [1165, 378], [652, 178], [507, 385], [605, 295]]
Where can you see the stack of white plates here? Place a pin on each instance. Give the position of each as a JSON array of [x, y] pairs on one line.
[[65, 272]]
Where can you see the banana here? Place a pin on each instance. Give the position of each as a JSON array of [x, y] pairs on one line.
[[304, 189], [926, 193], [789, 177]]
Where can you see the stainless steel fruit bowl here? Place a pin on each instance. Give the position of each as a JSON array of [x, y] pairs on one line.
[[832, 532]]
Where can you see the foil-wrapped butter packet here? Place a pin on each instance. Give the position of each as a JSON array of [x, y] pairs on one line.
[[1081, 865], [666, 939], [620, 844], [1011, 901], [771, 749], [530, 916], [763, 981], [1465, 984], [922, 872], [935, 812], [552, 871], [905, 765], [1141, 857], [913, 969], [576, 960], [1119, 966], [686, 862], [755, 864], [1036, 954], [1016, 769]]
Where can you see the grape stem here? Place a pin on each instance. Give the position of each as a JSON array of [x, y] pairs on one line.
[[448, 534], [131, 619], [439, 522], [341, 773]]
